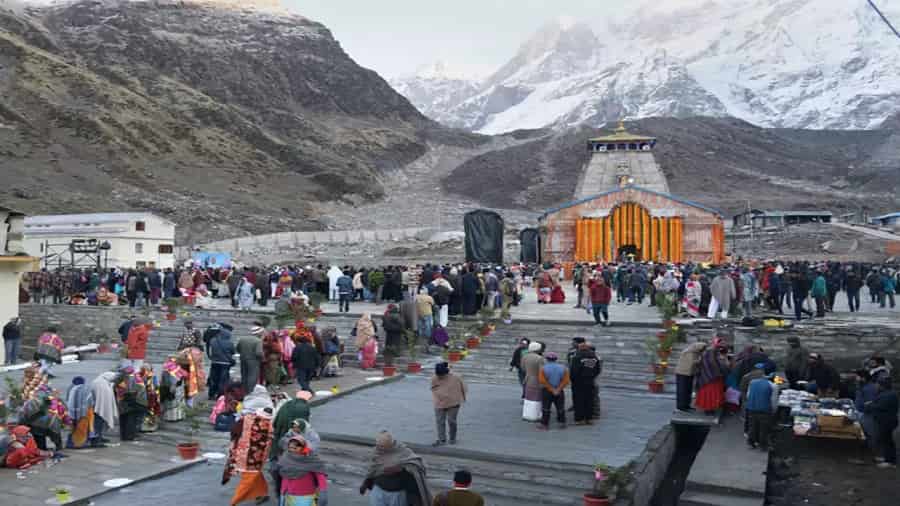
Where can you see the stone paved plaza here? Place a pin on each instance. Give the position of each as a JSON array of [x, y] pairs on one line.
[[490, 422], [529, 309]]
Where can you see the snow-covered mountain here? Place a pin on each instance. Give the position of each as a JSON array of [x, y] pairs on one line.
[[777, 63]]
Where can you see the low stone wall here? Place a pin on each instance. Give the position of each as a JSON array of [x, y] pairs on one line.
[[650, 468]]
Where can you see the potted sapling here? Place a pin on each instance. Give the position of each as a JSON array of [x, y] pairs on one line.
[[190, 449], [172, 304], [608, 483], [389, 354], [412, 346]]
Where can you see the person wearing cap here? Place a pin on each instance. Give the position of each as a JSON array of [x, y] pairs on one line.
[[796, 362], [884, 409], [250, 348], [762, 402], [823, 379], [448, 393], [516, 361], [460, 495], [554, 378], [532, 363], [287, 415]]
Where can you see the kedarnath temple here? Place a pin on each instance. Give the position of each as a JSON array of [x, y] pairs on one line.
[[623, 210]]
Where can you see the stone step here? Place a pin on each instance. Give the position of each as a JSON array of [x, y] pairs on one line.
[[694, 498], [504, 482]]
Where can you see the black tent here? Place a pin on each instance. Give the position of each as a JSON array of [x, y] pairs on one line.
[[484, 237], [530, 239]]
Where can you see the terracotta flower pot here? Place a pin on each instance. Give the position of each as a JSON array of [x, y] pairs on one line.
[[171, 316], [664, 355], [454, 356], [590, 500], [188, 451], [388, 370], [667, 324], [472, 342], [413, 367], [656, 387]]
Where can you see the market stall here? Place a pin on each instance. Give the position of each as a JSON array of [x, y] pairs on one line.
[[811, 416]]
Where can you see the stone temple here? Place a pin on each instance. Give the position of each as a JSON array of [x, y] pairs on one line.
[[623, 210]]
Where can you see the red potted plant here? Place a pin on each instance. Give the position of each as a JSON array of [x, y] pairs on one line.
[[172, 304], [472, 342], [389, 369], [190, 449], [607, 484], [412, 343]]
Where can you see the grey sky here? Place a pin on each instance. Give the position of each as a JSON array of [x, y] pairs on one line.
[[394, 37]]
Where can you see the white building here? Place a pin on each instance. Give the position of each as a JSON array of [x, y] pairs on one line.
[[13, 262], [135, 240]]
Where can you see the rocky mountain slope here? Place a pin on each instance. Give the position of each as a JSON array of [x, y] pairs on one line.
[[774, 63], [229, 122], [721, 162]]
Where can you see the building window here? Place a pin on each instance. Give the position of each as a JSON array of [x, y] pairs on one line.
[[140, 226], [138, 247], [165, 248]]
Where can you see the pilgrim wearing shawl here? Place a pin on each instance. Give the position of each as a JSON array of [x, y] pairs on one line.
[[300, 475], [396, 475], [80, 401], [251, 439], [710, 380], [106, 411]]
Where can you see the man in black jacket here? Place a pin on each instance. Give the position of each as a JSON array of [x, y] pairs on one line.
[[305, 359], [12, 336], [884, 408], [220, 351], [585, 367], [852, 284]]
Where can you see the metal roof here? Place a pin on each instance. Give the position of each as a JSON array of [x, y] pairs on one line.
[[634, 187], [795, 213], [88, 218], [887, 216], [621, 135]]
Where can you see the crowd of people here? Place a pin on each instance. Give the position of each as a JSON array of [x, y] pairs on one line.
[[746, 383], [269, 430], [740, 290]]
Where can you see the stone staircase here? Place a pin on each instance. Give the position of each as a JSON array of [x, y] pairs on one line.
[[502, 481], [626, 362]]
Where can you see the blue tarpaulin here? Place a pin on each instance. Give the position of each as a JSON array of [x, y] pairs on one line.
[[211, 259]]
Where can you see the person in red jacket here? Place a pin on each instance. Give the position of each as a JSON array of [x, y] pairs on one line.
[[138, 336], [601, 295]]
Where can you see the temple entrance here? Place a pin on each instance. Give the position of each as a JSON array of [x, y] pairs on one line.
[[628, 229], [629, 253]]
